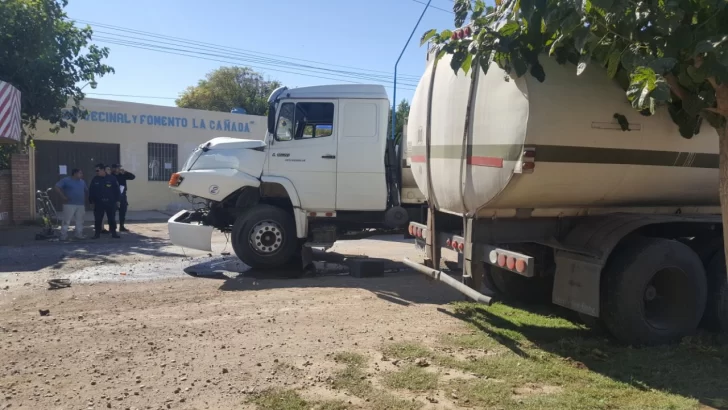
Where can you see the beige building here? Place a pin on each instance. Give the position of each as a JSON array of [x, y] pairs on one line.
[[148, 140]]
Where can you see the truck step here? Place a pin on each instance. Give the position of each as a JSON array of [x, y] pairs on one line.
[[318, 244]]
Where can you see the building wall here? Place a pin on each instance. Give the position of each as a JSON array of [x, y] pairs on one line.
[[17, 201], [134, 125], [22, 189]]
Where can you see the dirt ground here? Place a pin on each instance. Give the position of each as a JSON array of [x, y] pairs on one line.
[[136, 331], [147, 325]]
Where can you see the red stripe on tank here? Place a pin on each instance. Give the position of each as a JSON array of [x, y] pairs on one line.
[[492, 162]]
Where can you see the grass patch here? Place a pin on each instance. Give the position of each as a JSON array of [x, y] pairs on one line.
[[353, 379], [411, 378], [406, 351], [276, 399], [280, 400], [572, 367], [350, 359]]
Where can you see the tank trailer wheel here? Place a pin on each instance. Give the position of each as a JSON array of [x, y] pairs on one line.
[[264, 237], [716, 310], [654, 292]]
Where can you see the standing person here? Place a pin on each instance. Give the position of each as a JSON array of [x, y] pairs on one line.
[[122, 176], [72, 190], [104, 196]]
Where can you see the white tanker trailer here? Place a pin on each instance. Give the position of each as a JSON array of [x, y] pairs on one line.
[[546, 197]]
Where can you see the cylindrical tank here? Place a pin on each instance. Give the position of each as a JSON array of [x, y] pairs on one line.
[[583, 162]]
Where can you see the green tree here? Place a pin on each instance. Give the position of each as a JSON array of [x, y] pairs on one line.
[[403, 109], [670, 53], [229, 87], [45, 56]]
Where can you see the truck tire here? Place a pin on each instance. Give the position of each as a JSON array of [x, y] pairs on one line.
[[264, 237], [716, 309], [536, 290], [654, 292]]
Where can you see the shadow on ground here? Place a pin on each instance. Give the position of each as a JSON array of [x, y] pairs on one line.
[[24, 254], [398, 285], [694, 368]]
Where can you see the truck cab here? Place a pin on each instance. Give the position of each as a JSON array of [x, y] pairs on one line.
[[325, 171]]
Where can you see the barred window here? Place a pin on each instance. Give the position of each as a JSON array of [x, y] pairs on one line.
[[162, 161]]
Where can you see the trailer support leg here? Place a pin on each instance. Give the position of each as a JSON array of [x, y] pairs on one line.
[[473, 263], [432, 247]]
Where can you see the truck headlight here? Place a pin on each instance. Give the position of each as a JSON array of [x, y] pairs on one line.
[[175, 179]]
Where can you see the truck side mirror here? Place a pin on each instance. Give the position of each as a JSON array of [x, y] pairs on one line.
[[271, 118]]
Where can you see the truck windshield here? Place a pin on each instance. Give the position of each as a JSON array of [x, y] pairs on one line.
[[191, 160]]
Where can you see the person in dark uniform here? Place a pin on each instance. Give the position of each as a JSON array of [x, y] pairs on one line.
[[122, 176], [104, 196]]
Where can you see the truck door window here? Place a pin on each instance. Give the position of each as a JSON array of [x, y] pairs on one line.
[[314, 120], [284, 129]]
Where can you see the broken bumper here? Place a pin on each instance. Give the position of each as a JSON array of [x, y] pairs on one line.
[[191, 235]]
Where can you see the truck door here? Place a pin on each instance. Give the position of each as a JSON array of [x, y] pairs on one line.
[[304, 151]]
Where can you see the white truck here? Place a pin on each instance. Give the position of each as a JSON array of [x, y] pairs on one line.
[[325, 171], [548, 197]]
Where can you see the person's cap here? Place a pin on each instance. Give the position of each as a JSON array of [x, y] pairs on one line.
[[115, 165]]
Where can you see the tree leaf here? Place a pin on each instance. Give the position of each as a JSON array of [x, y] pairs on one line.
[[444, 36], [581, 35], [698, 76], [693, 105], [603, 4], [427, 36], [519, 64], [465, 66], [478, 9], [537, 71], [460, 8], [458, 59], [704, 46], [613, 63], [556, 44], [682, 37], [662, 65], [527, 8], [509, 29], [584, 60], [661, 92]]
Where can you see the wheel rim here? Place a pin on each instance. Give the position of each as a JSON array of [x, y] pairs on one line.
[[266, 238], [667, 298]]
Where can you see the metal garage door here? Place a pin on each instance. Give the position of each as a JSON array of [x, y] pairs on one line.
[[53, 157]]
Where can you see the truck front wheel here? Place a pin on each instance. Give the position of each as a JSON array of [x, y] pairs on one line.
[[654, 291], [264, 237]]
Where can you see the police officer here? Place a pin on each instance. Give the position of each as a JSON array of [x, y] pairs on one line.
[[122, 176], [104, 196]]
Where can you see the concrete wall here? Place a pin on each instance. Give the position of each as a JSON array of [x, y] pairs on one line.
[[134, 125]]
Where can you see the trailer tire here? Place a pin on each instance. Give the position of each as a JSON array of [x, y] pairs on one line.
[[264, 237], [716, 309], [536, 290], [654, 291]]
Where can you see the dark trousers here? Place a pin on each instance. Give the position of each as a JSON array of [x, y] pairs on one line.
[[123, 204], [101, 209]]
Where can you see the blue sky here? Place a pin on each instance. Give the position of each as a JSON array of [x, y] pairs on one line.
[[363, 35]]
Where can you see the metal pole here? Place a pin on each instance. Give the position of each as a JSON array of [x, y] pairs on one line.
[[450, 281], [394, 93]]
